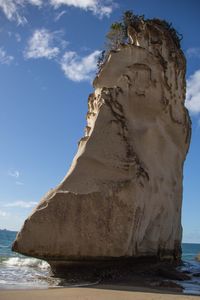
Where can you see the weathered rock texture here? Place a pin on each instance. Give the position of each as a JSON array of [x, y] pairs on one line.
[[122, 195]]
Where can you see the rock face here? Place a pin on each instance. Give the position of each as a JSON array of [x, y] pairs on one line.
[[122, 195]]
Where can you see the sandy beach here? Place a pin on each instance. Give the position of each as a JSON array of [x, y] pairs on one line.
[[90, 294]]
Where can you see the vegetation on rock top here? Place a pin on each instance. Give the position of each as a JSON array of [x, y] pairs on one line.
[[118, 33]]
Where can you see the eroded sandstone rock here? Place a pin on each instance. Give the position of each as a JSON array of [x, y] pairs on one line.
[[123, 192]]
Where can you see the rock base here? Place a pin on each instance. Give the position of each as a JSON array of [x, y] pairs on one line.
[[146, 272]]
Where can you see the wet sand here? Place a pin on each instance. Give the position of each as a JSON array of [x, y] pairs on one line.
[[111, 293]]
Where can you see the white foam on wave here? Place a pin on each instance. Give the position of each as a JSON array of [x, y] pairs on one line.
[[3, 246], [26, 262]]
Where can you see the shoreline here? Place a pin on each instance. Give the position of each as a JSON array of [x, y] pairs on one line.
[[159, 278], [103, 292]]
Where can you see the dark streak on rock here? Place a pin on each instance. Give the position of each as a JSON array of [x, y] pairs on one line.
[[118, 113]]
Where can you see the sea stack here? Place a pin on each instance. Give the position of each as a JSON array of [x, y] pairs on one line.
[[122, 195]]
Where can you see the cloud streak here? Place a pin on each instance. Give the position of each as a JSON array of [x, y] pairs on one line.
[[21, 204], [19, 183], [97, 7], [78, 68], [13, 9], [193, 93], [5, 59], [59, 15]]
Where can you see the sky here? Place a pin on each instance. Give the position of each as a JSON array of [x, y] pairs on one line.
[[48, 55]]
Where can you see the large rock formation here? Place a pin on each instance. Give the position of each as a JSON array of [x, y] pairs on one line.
[[122, 195]]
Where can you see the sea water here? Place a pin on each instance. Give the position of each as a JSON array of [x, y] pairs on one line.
[[18, 271], [192, 266]]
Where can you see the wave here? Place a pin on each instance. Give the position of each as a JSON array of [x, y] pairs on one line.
[[26, 262], [3, 246]]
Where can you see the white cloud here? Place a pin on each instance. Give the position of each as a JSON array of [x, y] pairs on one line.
[[14, 173], [193, 93], [98, 7], [19, 183], [5, 58], [3, 213], [13, 9], [42, 45], [35, 2], [22, 204], [79, 68], [18, 37], [193, 52]]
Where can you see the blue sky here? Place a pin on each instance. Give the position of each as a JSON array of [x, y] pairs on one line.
[[48, 52]]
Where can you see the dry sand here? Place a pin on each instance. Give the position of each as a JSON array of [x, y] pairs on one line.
[[89, 294]]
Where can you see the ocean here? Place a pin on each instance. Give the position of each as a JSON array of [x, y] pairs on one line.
[[21, 272], [18, 271]]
